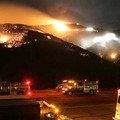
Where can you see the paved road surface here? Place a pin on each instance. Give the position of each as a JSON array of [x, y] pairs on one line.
[[78, 107], [84, 107]]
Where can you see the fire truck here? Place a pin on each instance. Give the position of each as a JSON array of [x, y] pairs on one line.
[[5, 88], [83, 86], [64, 84], [19, 88]]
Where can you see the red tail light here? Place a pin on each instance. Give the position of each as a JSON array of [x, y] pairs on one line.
[[27, 82], [29, 93], [96, 82], [85, 80], [97, 91]]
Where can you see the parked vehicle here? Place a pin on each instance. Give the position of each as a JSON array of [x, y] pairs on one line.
[[59, 87], [5, 88], [64, 84], [20, 88]]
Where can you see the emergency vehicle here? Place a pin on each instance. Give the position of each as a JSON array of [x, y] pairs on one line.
[[83, 86], [117, 112], [19, 88], [5, 88], [64, 84]]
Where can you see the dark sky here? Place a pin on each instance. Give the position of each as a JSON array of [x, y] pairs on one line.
[[100, 13]]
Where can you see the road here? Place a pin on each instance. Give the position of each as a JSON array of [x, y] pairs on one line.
[[78, 107], [83, 107]]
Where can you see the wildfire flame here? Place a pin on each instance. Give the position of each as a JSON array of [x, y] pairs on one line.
[[4, 38]]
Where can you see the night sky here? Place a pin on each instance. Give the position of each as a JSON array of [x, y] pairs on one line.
[[98, 13]]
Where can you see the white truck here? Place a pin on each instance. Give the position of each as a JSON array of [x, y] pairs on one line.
[[83, 86]]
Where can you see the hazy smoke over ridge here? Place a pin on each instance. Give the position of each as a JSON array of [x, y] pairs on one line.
[[13, 13]]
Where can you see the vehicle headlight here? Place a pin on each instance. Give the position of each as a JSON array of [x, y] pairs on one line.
[[66, 89], [50, 115], [69, 87], [56, 110]]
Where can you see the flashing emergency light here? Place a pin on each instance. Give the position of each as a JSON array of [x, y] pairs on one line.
[[97, 91], [85, 80], [69, 81], [28, 82], [97, 82], [69, 87], [29, 93], [75, 84]]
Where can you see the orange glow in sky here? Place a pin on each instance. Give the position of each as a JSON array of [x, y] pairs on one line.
[[12, 13]]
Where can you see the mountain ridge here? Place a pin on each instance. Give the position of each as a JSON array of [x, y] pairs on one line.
[[48, 60]]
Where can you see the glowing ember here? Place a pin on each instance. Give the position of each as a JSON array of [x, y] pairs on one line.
[[113, 55], [4, 38], [16, 40], [12, 40]]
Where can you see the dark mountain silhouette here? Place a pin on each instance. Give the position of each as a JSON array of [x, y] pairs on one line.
[[47, 60]]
